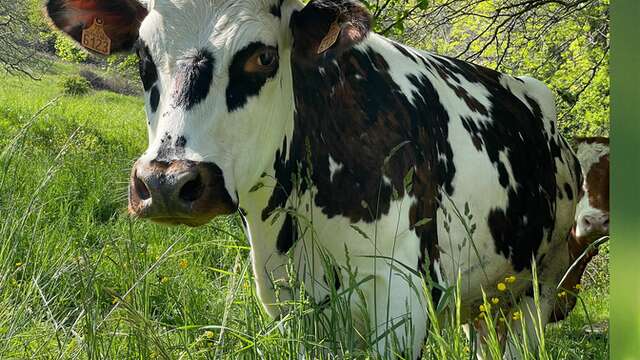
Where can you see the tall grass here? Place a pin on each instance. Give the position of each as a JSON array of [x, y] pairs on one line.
[[80, 280]]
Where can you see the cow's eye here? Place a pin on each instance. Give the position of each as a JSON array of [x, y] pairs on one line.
[[267, 58], [264, 61], [148, 71]]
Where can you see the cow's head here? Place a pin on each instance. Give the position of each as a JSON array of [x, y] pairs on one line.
[[218, 91], [592, 214]]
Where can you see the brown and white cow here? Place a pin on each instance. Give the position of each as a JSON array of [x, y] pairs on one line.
[[592, 217], [290, 111]]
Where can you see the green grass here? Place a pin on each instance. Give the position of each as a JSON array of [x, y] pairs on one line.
[[80, 280]]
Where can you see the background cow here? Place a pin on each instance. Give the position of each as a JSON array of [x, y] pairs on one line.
[[592, 217], [333, 140]]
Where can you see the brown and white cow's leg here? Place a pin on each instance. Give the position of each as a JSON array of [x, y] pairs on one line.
[[479, 340], [528, 317], [527, 323]]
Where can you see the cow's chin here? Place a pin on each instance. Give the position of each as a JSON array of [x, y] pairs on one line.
[[196, 219], [173, 221]]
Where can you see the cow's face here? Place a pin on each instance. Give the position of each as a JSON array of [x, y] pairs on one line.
[[218, 92], [218, 100], [592, 213]]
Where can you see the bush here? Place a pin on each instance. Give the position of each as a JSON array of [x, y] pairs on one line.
[[124, 64], [75, 85], [67, 50]]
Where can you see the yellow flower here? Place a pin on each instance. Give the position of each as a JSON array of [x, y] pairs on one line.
[[481, 315], [183, 263], [562, 294], [164, 280], [578, 286], [115, 300], [510, 279], [18, 264], [517, 315], [495, 300], [502, 287], [208, 334], [483, 308]]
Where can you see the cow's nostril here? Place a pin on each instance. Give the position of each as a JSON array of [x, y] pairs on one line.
[[606, 223], [141, 189], [192, 190]]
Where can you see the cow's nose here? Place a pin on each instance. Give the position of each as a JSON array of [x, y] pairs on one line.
[[605, 225], [176, 188], [596, 224], [178, 192]]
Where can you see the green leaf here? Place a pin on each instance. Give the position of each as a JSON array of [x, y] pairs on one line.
[[408, 179], [422, 222]]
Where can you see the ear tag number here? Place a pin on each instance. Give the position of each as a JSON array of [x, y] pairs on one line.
[[330, 38], [94, 38]]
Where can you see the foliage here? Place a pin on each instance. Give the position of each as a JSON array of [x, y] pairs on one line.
[[563, 43], [123, 64], [18, 50], [75, 85], [67, 50]]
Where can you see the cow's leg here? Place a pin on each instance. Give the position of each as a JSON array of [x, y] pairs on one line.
[[396, 306], [482, 334], [529, 320], [478, 340]]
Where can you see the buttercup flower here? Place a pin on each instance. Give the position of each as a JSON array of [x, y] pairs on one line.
[[183, 263], [510, 279], [517, 315], [502, 286], [495, 300]]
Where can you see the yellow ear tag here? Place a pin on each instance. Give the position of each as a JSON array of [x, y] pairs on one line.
[[94, 38], [330, 38]]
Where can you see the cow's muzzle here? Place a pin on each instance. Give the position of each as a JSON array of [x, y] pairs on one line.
[[178, 192]]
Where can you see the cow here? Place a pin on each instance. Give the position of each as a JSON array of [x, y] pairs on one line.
[[591, 219], [332, 140]]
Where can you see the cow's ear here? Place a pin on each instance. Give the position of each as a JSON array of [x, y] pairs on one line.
[[108, 25], [329, 27]]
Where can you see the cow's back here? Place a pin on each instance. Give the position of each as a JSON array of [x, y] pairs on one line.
[[508, 180]]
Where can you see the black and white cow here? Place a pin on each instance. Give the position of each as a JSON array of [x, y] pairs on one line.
[[265, 105]]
